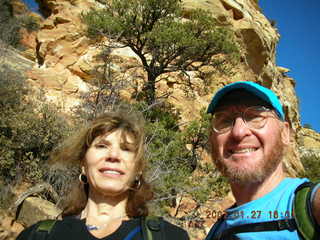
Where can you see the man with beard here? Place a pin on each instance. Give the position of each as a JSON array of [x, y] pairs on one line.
[[249, 136]]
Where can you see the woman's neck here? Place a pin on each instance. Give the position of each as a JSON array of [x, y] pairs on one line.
[[102, 209]]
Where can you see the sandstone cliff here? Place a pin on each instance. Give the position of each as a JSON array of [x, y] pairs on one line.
[[65, 57], [64, 60]]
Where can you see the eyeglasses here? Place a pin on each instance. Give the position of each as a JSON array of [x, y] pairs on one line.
[[254, 118]]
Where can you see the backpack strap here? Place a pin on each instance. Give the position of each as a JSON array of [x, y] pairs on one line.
[[152, 228], [278, 225], [303, 220], [43, 229], [302, 209], [215, 227], [133, 233]]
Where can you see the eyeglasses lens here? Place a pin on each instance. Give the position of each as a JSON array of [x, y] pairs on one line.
[[253, 117]]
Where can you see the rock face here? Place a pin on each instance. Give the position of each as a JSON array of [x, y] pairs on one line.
[[66, 60], [309, 142], [258, 36], [35, 209], [12, 58]]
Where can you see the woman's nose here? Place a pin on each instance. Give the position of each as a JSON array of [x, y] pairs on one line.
[[114, 154]]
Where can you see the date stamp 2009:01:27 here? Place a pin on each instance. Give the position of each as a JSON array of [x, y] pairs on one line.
[[254, 214]]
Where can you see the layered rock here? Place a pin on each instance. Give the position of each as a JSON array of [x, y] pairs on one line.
[[10, 57], [61, 43], [63, 50], [309, 142]]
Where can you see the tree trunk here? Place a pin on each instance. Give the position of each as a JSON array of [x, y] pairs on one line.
[[150, 89]]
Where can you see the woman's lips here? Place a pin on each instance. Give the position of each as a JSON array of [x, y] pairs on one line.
[[111, 171]]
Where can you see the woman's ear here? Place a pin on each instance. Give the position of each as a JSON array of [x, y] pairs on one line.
[[285, 133], [83, 169]]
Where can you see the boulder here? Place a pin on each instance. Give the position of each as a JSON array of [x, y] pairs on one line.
[[35, 209]]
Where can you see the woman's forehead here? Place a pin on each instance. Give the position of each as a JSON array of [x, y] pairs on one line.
[[124, 136]]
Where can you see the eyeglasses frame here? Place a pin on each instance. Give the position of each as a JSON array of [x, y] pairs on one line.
[[241, 114]]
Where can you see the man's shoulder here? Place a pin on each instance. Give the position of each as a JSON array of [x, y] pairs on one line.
[[295, 181], [287, 187]]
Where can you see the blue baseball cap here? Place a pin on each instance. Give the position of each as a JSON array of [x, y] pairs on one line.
[[261, 92]]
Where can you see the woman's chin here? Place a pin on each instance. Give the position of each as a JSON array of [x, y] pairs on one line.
[[112, 191]]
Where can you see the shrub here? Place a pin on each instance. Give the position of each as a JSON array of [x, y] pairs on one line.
[[9, 32], [29, 130], [10, 25], [29, 22], [6, 195], [172, 164]]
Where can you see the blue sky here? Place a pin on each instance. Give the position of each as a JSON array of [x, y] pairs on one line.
[[298, 49], [33, 6]]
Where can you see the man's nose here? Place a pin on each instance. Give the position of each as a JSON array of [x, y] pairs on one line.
[[239, 129]]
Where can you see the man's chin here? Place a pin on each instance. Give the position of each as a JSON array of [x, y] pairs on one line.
[[251, 174], [244, 177]]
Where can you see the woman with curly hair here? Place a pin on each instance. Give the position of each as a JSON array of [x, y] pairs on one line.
[[110, 199]]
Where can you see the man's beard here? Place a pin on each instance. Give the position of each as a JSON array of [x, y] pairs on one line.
[[255, 175]]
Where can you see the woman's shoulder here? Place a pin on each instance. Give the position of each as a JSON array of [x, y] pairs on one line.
[[26, 233], [60, 229]]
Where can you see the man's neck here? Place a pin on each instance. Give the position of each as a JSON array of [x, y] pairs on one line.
[[244, 193]]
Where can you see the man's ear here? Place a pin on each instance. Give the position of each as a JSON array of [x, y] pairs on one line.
[[211, 141], [285, 133]]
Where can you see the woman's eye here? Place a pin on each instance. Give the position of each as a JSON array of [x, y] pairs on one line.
[[127, 148], [101, 146]]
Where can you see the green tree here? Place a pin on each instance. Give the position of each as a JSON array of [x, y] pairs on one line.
[[165, 38]]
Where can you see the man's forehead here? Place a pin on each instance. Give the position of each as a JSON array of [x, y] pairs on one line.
[[240, 97]]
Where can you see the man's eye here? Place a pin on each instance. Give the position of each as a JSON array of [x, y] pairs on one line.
[[254, 116], [224, 120]]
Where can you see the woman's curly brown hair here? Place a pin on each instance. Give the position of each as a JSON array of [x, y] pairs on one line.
[[74, 149]]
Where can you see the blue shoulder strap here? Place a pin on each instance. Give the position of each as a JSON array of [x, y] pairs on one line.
[[133, 233], [215, 227]]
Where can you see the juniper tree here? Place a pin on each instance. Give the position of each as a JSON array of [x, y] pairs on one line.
[[164, 37]]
